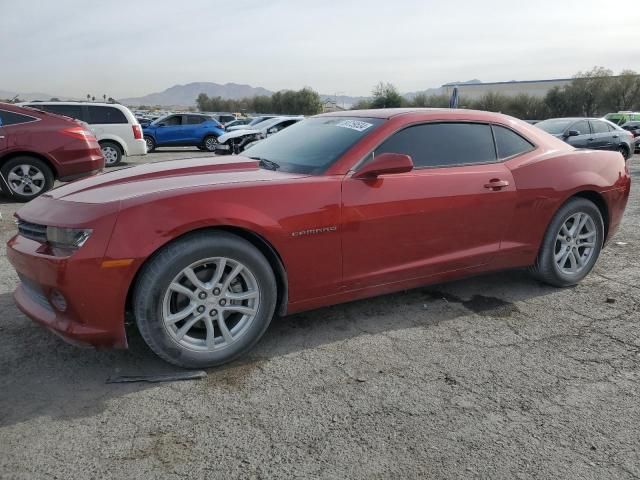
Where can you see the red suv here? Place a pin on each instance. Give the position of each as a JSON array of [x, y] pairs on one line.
[[37, 148]]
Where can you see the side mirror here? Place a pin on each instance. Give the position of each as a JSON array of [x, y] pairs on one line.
[[572, 133], [272, 130], [160, 125], [383, 164]]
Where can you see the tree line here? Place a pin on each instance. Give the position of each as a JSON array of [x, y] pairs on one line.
[[287, 102], [592, 93]]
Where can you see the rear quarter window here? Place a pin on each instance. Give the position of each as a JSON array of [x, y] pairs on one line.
[[8, 118], [509, 143], [105, 115]]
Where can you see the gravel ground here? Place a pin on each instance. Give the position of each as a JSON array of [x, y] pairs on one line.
[[493, 377]]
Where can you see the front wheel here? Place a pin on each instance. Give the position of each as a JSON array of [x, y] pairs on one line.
[[27, 177], [571, 245], [210, 143], [205, 299]]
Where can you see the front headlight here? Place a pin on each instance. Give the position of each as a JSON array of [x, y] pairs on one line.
[[68, 238]]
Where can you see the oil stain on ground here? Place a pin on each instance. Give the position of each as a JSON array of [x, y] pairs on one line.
[[480, 304]]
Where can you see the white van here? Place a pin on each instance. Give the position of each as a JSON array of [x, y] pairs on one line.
[[115, 127]]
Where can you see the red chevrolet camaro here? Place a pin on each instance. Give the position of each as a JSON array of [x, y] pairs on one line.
[[338, 207]]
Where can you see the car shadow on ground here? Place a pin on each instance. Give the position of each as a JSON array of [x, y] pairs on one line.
[[40, 375]]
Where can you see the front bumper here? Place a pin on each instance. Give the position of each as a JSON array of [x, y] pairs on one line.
[[95, 295], [95, 304]]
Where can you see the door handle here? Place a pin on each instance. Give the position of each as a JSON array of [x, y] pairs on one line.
[[615, 136], [1, 136], [496, 184], [590, 139]]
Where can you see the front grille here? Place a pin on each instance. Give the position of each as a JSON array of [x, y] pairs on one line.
[[36, 294], [32, 231]]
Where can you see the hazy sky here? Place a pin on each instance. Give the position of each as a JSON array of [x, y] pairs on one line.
[[135, 47]]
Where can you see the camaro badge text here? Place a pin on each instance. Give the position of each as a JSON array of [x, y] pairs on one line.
[[314, 231]]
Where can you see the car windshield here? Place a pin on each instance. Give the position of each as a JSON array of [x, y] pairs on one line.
[[266, 123], [555, 126], [312, 145]]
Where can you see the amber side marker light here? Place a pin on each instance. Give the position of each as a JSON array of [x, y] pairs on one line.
[[122, 262]]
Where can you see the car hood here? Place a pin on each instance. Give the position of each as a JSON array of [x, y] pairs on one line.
[[162, 177], [238, 133]]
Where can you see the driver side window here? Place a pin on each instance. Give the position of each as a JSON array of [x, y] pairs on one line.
[[173, 121], [443, 144], [582, 127]]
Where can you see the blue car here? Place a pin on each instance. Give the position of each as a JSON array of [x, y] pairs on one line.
[[183, 130]]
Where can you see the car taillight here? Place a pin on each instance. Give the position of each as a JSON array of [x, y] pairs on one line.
[[79, 132], [137, 132]]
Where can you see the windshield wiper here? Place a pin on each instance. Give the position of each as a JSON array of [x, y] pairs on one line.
[[268, 164]]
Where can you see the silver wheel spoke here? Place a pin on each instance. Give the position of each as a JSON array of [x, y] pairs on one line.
[[572, 261], [222, 263], [240, 309], [176, 287], [226, 334], [578, 257], [37, 177], [188, 326], [193, 278], [210, 339], [242, 296], [13, 176], [25, 169], [234, 273], [19, 188], [181, 315]]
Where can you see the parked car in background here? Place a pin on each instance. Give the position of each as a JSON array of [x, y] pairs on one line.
[[594, 133], [118, 131], [240, 122], [254, 121], [37, 148], [237, 140], [339, 207], [622, 117], [224, 118], [183, 129], [634, 128]]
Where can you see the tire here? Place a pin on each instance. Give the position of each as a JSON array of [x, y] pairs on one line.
[[585, 244], [154, 302], [209, 143], [624, 151], [27, 178], [112, 153], [151, 143]]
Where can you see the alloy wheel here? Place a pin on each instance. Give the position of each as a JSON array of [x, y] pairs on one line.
[[26, 180], [575, 243], [210, 304], [210, 143], [110, 154]]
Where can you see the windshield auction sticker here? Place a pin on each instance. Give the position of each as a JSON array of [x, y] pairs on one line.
[[354, 125]]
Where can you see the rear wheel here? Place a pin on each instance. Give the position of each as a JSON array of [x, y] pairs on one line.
[[27, 177], [112, 153], [571, 245], [151, 143], [205, 299]]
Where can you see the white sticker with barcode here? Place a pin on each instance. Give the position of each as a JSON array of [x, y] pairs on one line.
[[354, 125]]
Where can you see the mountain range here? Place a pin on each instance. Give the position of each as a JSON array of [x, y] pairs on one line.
[[185, 95]]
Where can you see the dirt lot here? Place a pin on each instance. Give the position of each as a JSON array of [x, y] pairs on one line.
[[494, 377]]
